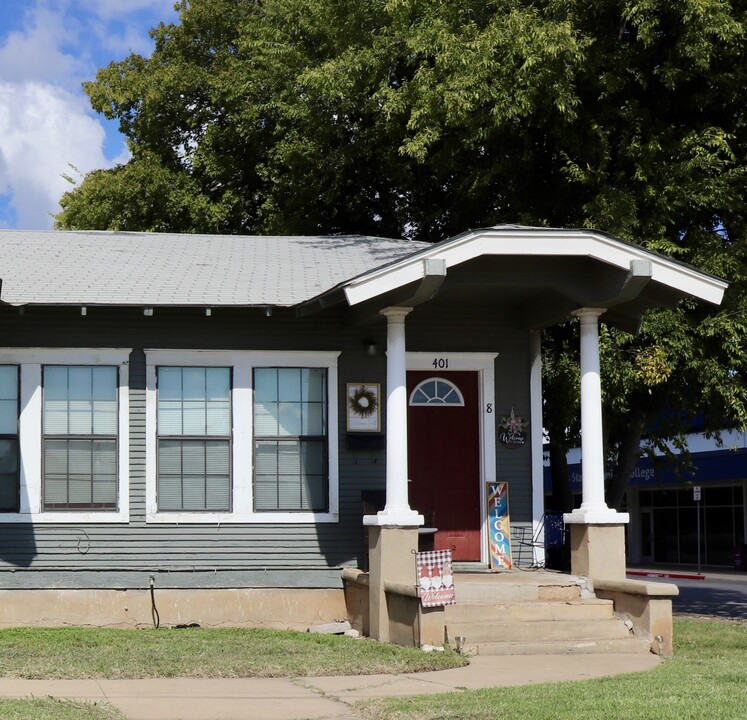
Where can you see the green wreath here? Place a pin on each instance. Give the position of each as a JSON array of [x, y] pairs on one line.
[[363, 401]]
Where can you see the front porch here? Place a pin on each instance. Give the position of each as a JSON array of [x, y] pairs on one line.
[[518, 612], [537, 278]]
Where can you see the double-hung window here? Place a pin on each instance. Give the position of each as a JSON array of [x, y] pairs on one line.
[[64, 435], [290, 445], [9, 478], [241, 436], [79, 419], [194, 439]]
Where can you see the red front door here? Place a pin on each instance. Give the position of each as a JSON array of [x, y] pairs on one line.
[[443, 438]]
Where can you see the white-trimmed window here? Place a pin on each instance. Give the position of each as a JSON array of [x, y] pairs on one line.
[[72, 434], [9, 460], [281, 437]]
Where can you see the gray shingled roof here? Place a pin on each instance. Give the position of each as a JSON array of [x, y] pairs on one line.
[[119, 268]]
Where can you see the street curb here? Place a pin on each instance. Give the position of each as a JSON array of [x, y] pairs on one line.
[[665, 574]]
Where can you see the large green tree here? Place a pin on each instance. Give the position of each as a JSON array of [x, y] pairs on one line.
[[346, 115], [423, 118]]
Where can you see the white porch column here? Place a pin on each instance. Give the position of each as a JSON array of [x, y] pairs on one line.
[[597, 531], [538, 469], [593, 506], [397, 510], [592, 442]]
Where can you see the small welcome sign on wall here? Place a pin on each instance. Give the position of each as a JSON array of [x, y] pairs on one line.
[[512, 430], [499, 526]]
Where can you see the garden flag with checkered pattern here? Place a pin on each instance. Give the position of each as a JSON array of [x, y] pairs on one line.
[[435, 578]]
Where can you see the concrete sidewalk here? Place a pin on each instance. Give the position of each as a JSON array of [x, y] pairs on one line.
[[320, 697]]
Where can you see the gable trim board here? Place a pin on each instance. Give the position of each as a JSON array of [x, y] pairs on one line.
[[534, 242]]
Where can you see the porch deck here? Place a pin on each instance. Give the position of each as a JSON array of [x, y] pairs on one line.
[[521, 584]]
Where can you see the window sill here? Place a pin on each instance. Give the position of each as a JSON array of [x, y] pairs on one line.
[[63, 517], [223, 518]]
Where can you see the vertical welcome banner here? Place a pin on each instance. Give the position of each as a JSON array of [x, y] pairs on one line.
[[499, 529]]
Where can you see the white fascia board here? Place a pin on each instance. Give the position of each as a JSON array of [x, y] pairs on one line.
[[382, 281], [690, 282], [666, 272], [537, 243]]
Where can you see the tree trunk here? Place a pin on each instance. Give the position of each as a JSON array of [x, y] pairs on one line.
[[562, 494], [628, 455]]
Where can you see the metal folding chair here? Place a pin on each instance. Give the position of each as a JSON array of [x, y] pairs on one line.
[[549, 536]]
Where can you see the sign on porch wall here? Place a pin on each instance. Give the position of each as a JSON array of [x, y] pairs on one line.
[[435, 578], [512, 430], [499, 526]]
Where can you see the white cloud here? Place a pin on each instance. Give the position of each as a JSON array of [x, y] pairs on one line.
[[45, 120], [65, 41], [123, 26], [117, 8], [35, 54], [43, 129]]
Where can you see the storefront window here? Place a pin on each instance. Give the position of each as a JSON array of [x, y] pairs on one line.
[[675, 524]]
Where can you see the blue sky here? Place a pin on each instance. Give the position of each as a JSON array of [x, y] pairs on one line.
[[47, 49]]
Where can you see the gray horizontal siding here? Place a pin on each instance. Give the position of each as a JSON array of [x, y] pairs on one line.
[[246, 555], [122, 579]]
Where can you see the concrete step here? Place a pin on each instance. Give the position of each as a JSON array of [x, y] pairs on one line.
[[537, 631], [591, 609], [630, 645], [534, 613], [470, 590]]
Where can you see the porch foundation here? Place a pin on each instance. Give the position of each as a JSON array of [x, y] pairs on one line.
[[274, 608], [598, 551]]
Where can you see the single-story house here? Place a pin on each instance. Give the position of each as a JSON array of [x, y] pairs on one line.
[[222, 418]]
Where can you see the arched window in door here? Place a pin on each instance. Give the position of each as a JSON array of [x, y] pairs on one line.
[[436, 391]]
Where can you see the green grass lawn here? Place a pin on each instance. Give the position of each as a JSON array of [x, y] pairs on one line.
[[705, 680], [58, 653], [51, 709]]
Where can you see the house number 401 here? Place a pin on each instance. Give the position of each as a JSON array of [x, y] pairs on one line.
[[441, 363]]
